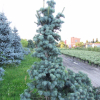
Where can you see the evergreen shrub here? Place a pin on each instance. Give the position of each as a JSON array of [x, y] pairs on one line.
[[30, 44], [18, 49], [26, 51], [49, 76], [6, 51]]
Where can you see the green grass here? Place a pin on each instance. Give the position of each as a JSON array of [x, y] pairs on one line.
[[16, 79]]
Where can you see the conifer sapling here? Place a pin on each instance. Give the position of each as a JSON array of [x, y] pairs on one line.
[[49, 73], [18, 49], [49, 76]]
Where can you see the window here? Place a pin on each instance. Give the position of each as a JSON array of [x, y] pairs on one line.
[[75, 40]]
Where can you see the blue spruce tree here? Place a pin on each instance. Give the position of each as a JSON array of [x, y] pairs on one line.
[[26, 51], [48, 76], [6, 51], [18, 49], [30, 44], [50, 73]]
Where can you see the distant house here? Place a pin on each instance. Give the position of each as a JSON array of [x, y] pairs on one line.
[[92, 45], [72, 41], [97, 44], [88, 45]]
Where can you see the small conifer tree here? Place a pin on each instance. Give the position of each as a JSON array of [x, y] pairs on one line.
[[50, 73], [49, 76], [6, 51], [18, 49], [26, 51], [30, 44]]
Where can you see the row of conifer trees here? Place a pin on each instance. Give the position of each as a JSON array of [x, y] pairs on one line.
[[11, 50]]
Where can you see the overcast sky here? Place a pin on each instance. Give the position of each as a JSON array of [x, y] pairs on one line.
[[82, 17]]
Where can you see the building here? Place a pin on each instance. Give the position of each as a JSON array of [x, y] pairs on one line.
[[72, 41], [92, 45]]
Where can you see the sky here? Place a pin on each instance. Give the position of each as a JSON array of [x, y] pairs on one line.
[[82, 17]]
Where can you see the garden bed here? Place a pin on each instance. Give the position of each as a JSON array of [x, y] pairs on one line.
[[89, 57]]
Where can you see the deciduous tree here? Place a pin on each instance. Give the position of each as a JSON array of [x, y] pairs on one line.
[[79, 44]]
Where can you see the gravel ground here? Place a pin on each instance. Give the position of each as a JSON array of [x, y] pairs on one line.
[[76, 65]]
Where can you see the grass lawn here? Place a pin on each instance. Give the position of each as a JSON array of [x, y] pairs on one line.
[[16, 79]]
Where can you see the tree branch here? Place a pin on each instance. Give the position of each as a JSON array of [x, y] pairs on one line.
[[63, 9]]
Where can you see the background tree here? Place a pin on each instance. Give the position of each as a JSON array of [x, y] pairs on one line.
[[93, 41], [6, 51], [87, 41], [24, 42], [30, 44], [79, 44], [97, 40], [62, 44], [18, 49]]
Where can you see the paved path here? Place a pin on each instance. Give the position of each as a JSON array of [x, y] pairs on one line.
[[75, 65]]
